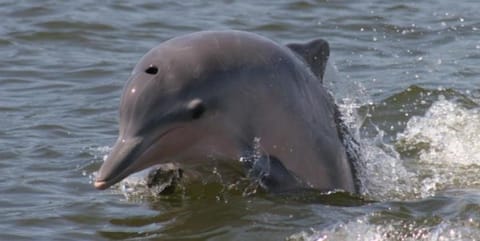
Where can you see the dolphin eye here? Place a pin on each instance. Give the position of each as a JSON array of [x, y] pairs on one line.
[[198, 111], [196, 108], [152, 69]]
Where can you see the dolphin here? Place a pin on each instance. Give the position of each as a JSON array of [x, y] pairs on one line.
[[233, 95]]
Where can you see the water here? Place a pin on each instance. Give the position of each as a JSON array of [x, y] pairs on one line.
[[409, 85]]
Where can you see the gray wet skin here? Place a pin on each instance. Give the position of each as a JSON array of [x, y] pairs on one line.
[[207, 95]]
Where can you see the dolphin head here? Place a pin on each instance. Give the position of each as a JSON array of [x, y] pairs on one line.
[[168, 113]]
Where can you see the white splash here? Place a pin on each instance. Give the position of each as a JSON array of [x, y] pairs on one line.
[[448, 134], [99, 153], [381, 171], [384, 176], [362, 229], [435, 152], [446, 142], [150, 182]]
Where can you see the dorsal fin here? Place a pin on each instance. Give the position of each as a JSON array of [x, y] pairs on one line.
[[315, 53]]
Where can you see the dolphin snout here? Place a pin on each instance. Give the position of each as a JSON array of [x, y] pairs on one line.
[[119, 163], [100, 185]]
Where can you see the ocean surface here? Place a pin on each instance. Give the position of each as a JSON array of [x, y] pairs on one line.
[[407, 79]]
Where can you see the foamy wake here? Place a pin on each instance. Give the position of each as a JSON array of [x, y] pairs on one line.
[[447, 143], [447, 133], [362, 229], [442, 149]]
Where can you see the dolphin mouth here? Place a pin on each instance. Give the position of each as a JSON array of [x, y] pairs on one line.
[[123, 160], [118, 163], [102, 185]]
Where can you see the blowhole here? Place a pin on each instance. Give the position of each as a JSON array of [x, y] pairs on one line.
[[152, 69]]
